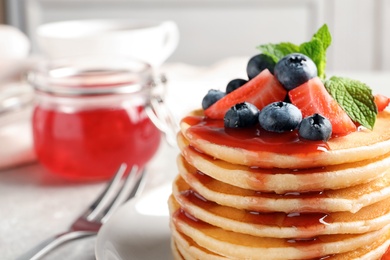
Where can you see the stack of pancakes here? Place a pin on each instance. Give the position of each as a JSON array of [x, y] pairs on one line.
[[239, 196]]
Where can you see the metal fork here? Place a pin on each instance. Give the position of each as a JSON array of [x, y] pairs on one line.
[[118, 190]]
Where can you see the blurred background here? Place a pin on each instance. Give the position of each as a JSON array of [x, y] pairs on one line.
[[212, 30]]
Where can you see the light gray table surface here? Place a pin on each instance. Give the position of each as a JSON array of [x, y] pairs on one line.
[[36, 205]]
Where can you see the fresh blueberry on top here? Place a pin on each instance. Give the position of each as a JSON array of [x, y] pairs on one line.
[[316, 128], [280, 117], [241, 115], [258, 63], [235, 84], [212, 96], [294, 70]]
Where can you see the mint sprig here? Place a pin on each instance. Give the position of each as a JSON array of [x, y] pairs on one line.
[[314, 49], [323, 34], [355, 98]]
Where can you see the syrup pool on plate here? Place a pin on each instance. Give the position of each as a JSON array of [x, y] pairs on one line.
[[88, 120]]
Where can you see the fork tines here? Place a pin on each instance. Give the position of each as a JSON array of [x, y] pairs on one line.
[[120, 189]]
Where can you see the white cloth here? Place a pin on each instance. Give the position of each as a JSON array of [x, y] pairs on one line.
[[16, 144], [15, 128]]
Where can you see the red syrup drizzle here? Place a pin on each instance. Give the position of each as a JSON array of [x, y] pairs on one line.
[[186, 217], [386, 255], [302, 221], [196, 223], [251, 138], [205, 179]]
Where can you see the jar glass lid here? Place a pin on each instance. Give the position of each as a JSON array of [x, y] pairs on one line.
[[91, 75]]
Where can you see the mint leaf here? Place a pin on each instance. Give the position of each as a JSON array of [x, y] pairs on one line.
[[355, 98], [278, 51], [314, 50], [324, 36]]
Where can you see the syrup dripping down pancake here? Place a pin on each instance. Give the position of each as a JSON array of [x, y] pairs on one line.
[[286, 180], [349, 199], [236, 245], [279, 224], [256, 147]]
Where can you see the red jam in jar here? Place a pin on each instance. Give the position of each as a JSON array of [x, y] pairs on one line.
[[90, 116]]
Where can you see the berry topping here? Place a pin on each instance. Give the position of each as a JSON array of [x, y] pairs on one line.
[[331, 107], [381, 102], [211, 97], [316, 128], [280, 117], [312, 97], [235, 84], [258, 63], [241, 115], [259, 91], [294, 70]]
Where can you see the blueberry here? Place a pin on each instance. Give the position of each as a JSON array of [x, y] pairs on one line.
[[280, 117], [258, 63], [241, 115], [315, 127], [211, 97], [294, 70], [235, 84]]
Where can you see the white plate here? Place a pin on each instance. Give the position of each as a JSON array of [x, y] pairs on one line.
[[139, 230]]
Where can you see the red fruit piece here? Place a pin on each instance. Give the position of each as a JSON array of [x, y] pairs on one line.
[[260, 91], [381, 102], [312, 97]]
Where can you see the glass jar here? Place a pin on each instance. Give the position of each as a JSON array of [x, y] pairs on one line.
[[91, 115]]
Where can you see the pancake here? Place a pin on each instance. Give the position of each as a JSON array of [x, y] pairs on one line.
[[190, 250], [350, 199], [371, 251], [285, 180], [176, 252], [251, 194], [278, 224], [187, 247], [247, 147], [236, 245]]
